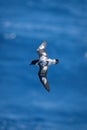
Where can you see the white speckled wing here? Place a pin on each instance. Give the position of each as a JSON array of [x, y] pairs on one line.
[[41, 49], [45, 83], [43, 77]]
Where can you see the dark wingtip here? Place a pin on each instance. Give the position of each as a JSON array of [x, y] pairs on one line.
[[48, 89]]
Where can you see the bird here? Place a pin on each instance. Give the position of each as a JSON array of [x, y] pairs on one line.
[[43, 62]]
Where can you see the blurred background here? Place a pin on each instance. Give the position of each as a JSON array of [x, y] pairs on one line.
[[24, 103]]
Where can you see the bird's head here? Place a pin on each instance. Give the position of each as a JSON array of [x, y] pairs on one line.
[[33, 62]]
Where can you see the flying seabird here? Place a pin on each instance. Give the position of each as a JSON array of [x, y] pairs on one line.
[[43, 62]]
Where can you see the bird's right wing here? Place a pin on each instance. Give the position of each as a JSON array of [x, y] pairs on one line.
[[41, 49]]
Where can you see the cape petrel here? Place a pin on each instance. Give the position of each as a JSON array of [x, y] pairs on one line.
[[43, 62]]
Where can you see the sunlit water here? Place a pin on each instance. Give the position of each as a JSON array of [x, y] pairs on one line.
[[24, 103]]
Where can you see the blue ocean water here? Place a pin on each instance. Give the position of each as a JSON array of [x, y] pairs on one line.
[[24, 103]]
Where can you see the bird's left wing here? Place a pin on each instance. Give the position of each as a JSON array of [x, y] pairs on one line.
[[43, 78], [41, 49]]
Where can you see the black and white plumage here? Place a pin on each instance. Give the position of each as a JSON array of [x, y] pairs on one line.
[[43, 62]]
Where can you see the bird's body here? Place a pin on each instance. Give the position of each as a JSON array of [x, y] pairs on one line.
[[43, 62]]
